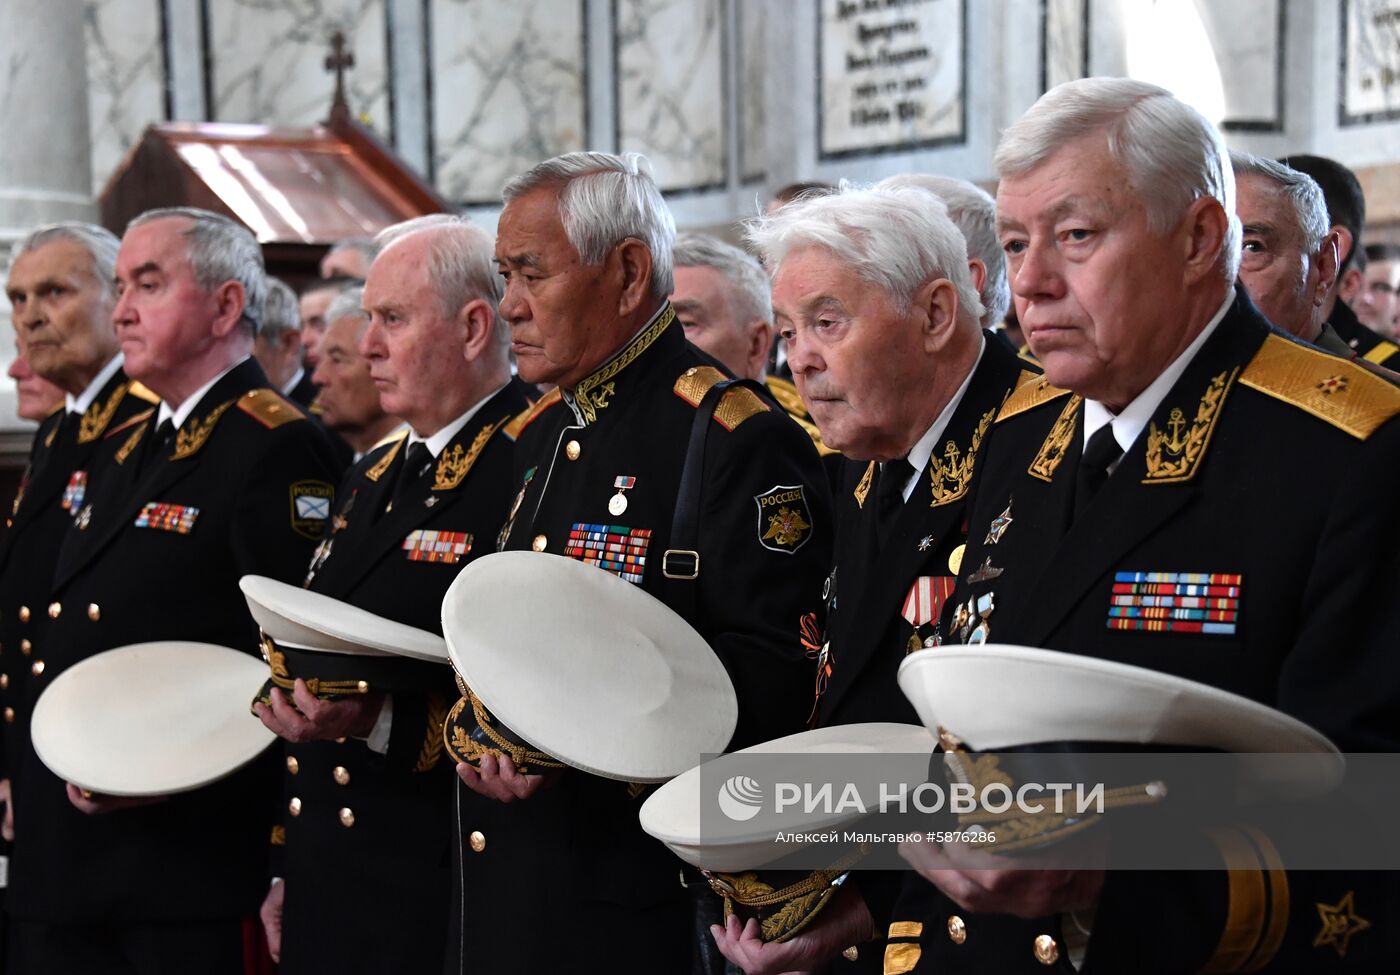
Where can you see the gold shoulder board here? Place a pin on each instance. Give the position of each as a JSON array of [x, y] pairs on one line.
[[268, 407], [787, 396], [142, 392], [735, 406], [1342, 393], [1382, 351], [1029, 394], [525, 417]]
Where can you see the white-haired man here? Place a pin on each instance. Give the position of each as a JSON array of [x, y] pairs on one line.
[[347, 401], [584, 246], [277, 346], [225, 477], [1288, 259], [873, 293], [721, 296], [1155, 459], [974, 213], [413, 512], [61, 295]]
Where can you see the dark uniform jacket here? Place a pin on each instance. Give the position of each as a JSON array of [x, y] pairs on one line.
[[1269, 473], [884, 601], [566, 881], [366, 856], [155, 553], [1365, 342], [52, 490]]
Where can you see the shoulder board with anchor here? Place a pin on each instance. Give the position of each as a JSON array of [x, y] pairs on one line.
[[735, 406], [1029, 394], [268, 407], [1339, 392], [129, 422], [525, 417]]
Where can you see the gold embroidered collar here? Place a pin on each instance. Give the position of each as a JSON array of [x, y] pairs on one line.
[[595, 391]]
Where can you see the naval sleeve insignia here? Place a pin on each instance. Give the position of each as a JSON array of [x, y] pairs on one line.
[[311, 507], [784, 520]]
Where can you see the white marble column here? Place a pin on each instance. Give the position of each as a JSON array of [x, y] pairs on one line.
[[45, 159]]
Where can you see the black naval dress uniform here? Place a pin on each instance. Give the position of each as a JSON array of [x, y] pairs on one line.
[[155, 553], [367, 836], [52, 491], [1247, 541], [896, 565], [566, 881], [304, 392]]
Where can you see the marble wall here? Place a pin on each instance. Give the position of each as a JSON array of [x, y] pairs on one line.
[[125, 46], [508, 88], [1371, 61], [669, 73], [751, 46], [266, 59], [1064, 45]]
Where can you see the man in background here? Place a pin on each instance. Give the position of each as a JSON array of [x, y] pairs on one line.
[[348, 402], [277, 346]]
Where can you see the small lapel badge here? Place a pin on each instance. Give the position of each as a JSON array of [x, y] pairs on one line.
[[84, 516], [925, 543], [999, 525], [617, 504], [984, 571]]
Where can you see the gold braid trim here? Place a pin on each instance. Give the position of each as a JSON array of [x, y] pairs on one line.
[[125, 450], [461, 746], [593, 393], [385, 462], [1244, 919], [453, 465], [190, 440], [1052, 451], [96, 418], [431, 751]]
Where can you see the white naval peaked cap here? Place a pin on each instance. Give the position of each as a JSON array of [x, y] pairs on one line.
[[676, 814], [997, 696], [90, 729], [586, 667], [306, 620]]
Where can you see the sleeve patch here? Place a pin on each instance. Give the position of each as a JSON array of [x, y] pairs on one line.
[[784, 520], [311, 507]]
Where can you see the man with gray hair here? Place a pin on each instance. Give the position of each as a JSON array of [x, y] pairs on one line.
[[348, 401], [873, 292], [974, 213], [223, 478], [1289, 256], [413, 512], [277, 346], [721, 296], [1127, 508], [585, 249], [61, 295]]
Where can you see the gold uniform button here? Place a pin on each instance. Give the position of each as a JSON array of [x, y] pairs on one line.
[[9, 715], [340, 740], [94, 612], [55, 609], [477, 841], [539, 543], [36, 668], [4, 682], [957, 930], [341, 775], [347, 817], [24, 614], [851, 954], [294, 807], [25, 646], [573, 449], [362, 686], [293, 766], [1046, 951]]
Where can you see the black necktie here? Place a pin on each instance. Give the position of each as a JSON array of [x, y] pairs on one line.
[[159, 444], [415, 464], [1099, 454], [889, 494]]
